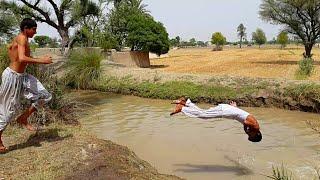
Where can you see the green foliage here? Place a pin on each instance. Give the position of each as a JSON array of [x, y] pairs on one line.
[[305, 68], [280, 174], [85, 68], [218, 39], [300, 18], [193, 42], [175, 42], [172, 89], [42, 41], [119, 18], [4, 58], [283, 39], [145, 34], [8, 24], [241, 33], [107, 41], [259, 37]]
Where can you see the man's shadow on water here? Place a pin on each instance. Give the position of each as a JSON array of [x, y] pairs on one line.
[[35, 140], [238, 169]]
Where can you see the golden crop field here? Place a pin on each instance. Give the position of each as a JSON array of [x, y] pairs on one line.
[[267, 62]]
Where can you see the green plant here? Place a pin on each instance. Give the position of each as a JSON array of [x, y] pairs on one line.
[[305, 68], [4, 58], [85, 68], [280, 174]]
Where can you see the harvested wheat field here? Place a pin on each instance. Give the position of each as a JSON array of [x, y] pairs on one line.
[[267, 62]]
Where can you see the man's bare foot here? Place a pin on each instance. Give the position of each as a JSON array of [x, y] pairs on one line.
[[3, 149], [232, 103], [24, 122]]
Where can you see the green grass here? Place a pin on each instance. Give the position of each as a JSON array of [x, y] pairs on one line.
[[281, 174], [172, 89], [84, 69]]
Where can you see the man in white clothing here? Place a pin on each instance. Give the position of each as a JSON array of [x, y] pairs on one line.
[[229, 111]]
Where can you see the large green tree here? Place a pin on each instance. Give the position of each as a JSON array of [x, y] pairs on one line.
[[241, 33], [300, 17], [219, 40], [145, 34], [119, 17], [61, 15], [259, 37]]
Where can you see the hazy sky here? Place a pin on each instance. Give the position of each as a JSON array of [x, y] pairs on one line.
[[199, 19]]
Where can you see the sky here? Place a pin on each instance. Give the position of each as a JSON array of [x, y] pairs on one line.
[[201, 18]]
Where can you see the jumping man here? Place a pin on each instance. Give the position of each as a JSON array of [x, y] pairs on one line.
[[230, 111], [16, 83]]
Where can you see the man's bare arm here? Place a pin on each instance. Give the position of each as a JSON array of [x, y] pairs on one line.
[[22, 43]]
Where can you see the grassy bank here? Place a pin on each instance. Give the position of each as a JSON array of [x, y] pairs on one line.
[[304, 97], [69, 152]]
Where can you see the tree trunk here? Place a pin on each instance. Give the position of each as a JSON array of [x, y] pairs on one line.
[[64, 41], [240, 42], [308, 48]]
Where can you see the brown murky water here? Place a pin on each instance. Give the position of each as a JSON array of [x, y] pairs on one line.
[[204, 149]]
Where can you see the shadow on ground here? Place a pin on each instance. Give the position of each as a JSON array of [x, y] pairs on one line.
[[237, 168], [158, 66], [50, 135]]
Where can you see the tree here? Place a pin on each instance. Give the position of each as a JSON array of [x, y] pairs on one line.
[[219, 40], [193, 42], [201, 44], [175, 41], [283, 39], [300, 18], [8, 24], [259, 37], [61, 16], [241, 33], [42, 41], [119, 18], [145, 34]]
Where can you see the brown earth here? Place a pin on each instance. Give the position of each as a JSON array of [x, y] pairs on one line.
[[69, 152], [267, 62]]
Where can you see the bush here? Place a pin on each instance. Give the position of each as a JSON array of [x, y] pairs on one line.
[[85, 69], [280, 174], [305, 68], [4, 58]]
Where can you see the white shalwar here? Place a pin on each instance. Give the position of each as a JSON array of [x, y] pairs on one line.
[[220, 111], [14, 86]]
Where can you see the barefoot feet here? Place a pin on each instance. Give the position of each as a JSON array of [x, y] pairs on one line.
[[23, 120], [234, 104]]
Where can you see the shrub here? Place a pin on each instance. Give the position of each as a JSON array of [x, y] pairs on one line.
[[85, 69], [280, 174], [4, 58], [305, 68]]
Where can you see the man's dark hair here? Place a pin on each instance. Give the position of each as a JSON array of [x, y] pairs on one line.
[[256, 138], [27, 23]]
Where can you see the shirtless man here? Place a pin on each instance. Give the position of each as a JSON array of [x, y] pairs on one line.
[[230, 111], [16, 83]]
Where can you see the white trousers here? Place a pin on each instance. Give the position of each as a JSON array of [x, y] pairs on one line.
[[13, 87]]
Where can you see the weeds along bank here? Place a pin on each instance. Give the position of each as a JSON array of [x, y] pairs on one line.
[[255, 92]]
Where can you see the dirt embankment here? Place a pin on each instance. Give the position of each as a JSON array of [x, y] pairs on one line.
[[255, 92], [69, 152]]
